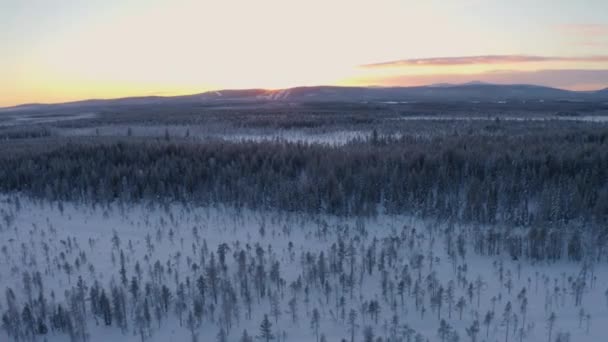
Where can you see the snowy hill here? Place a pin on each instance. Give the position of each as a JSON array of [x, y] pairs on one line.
[[438, 92]]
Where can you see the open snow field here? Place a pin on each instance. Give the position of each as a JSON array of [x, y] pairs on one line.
[[46, 118], [201, 133], [395, 277]]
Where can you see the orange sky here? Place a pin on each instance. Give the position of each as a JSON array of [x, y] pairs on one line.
[[62, 50]]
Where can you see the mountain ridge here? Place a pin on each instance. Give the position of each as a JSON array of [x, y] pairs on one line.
[[474, 90]]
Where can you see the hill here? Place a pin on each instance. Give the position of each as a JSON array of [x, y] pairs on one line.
[[472, 91]]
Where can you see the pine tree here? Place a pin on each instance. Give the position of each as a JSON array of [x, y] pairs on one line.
[[444, 330], [352, 324], [123, 269], [473, 330], [293, 309], [245, 337], [275, 307], [105, 308], [368, 334], [266, 330], [222, 336], [550, 324], [460, 305], [212, 277], [315, 322], [507, 319]]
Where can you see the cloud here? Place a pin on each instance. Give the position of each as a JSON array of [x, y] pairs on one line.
[[486, 59], [573, 79]]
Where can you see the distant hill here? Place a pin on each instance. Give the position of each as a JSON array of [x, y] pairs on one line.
[[441, 92], [472, 91]]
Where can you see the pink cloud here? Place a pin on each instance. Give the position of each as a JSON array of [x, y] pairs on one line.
[[487, 59]]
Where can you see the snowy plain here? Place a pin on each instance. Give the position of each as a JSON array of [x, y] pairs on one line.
[[43, 236]]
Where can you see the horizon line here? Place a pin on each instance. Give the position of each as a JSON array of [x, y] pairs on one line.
[[447, 84]]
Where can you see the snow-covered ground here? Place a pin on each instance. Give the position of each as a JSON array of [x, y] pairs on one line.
[[48, 118], [399, 262], [330, 137], [523, 118]]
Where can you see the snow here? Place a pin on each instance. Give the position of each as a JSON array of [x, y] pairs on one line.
[[47, 118], [582, 118], [201, 133], [27, 225]]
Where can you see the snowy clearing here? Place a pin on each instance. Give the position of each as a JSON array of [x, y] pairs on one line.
[[393, 276]]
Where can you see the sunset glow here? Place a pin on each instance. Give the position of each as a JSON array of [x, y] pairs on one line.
[[55, 51]]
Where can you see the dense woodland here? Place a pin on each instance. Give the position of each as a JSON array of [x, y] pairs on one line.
[[521, 180]]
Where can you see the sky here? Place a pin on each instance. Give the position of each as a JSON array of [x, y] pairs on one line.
[[63, 50]]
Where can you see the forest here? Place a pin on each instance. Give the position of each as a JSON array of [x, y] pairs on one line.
[[533, 179], [368, 226]]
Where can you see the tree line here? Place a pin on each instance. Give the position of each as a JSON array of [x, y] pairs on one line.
[[520, 180]]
